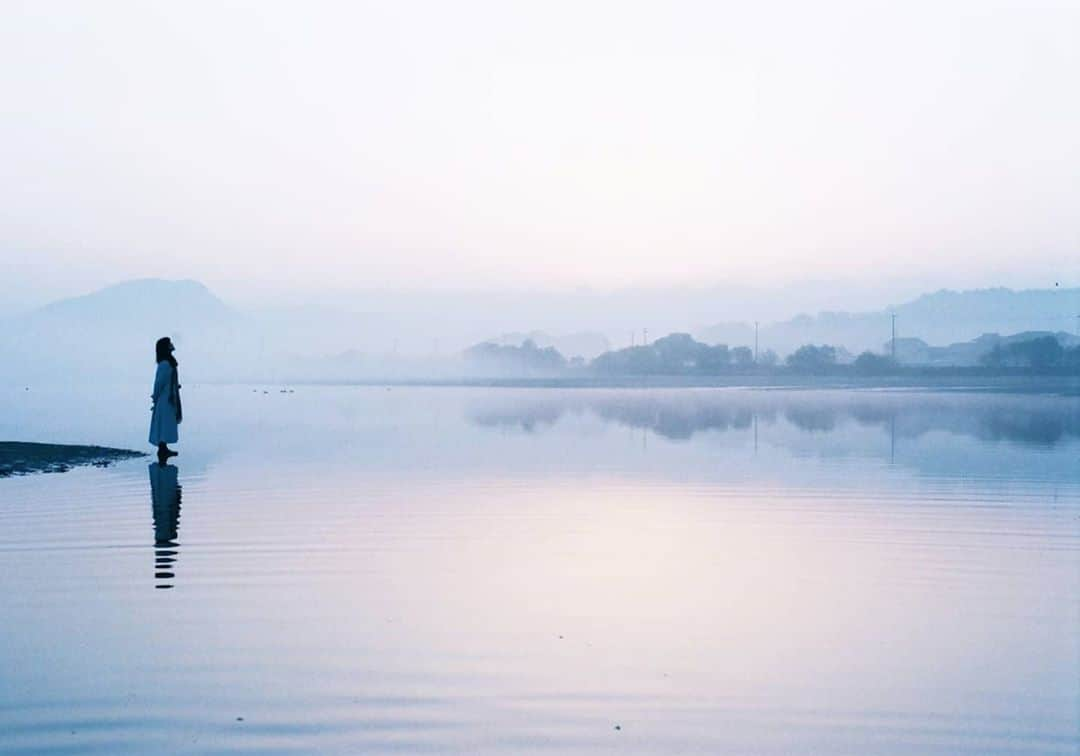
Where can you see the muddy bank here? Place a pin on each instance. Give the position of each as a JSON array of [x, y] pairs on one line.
[[18, 458]]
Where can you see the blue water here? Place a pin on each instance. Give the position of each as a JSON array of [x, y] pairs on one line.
[[452, 570]]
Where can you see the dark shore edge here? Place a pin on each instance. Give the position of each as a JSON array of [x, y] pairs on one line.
[[23, 458]]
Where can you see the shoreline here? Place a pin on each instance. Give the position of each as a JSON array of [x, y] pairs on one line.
[[25, 458], [1063, 385]]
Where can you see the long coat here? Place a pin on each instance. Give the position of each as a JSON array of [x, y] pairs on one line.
[[164, 421]]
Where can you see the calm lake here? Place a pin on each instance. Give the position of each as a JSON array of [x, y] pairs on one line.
[[464, 570]]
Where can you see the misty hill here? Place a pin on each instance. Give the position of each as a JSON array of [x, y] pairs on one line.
[[528, 359], [167, 303], [110, 333], [681, 354], [674, 354], [583, 344], [944, 317]]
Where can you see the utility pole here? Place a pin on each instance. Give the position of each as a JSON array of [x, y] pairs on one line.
[[893, 342], [755, 344]]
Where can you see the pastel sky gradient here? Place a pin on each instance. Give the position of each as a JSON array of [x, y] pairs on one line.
[[281, 145]]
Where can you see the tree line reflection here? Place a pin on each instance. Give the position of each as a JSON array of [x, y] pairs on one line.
[[679, 415]]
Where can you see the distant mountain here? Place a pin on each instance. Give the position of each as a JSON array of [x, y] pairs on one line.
[[110, 333], [944, 317], [170, 303]]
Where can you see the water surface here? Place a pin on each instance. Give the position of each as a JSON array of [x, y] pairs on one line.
[[342, 569]]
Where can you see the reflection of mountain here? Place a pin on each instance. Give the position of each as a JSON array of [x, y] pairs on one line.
[[165, 500], [678, 415]]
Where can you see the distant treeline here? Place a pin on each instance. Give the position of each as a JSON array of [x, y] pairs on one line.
[[680, 354]]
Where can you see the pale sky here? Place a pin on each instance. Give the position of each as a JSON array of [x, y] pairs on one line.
[[270, 146]]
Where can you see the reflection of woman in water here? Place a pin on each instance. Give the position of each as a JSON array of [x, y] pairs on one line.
[[165, 498], [167, 413]]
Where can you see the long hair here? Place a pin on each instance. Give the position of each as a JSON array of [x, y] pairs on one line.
[[163, 352]]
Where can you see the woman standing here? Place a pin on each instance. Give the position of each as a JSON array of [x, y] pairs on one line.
[[166, 410]]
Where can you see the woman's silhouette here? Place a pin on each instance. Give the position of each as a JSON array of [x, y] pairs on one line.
[[166, 410]]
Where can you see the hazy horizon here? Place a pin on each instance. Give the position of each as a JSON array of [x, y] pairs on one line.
[[426, 335], [279, 152], [779, 301]]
